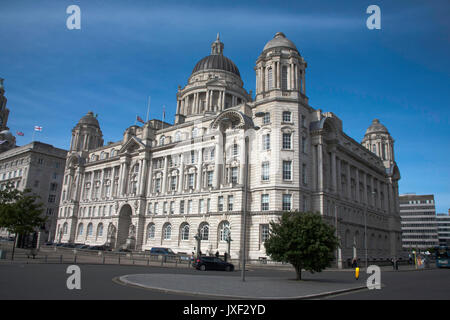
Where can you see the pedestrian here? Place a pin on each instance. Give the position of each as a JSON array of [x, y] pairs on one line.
[[217, 254], [225, 256], [354, 263], [199, 253]]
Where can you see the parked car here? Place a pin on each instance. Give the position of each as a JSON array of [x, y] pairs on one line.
[[212, 263], [99, 248], [82, 246], [68, 245], [162, 251]]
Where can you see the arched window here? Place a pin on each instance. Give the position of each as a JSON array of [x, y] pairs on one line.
[[80, 229], [204, 232], [65, 228], [224, 231], [89, 229], [185, 232], [100, 230], [269, 79], [151, 231], [167, 232], [284, 78]]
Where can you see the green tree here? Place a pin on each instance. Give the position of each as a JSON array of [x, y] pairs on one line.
[[302, 239], [20, 211]]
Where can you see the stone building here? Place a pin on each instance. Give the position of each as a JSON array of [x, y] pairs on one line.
[[164, 184], [37, 166]]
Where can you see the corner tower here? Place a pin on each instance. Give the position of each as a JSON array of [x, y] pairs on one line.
[[378, 140], [87, 134], [280, 70]]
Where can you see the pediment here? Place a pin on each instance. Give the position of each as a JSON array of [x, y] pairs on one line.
[[132, 145]]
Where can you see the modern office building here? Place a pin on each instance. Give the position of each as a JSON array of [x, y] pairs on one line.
[[418, 218], [163, 184], [443, 227]]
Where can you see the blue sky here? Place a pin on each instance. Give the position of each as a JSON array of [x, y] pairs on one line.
[[129, 50]]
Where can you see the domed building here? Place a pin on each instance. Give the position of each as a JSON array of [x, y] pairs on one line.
[[188, 186]]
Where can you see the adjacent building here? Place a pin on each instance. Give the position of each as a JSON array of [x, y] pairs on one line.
[[418, 220], [232, 160], [443, 228], [37, 166]]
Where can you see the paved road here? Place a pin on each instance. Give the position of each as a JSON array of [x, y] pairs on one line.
[[48, 281]]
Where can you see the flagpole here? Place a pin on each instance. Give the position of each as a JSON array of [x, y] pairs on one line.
[[164, 115], [148, 108], [34, 130]]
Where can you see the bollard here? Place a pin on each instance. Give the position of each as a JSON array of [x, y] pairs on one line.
[[119, 258], [75, 259], [60, 258], [356, 273]]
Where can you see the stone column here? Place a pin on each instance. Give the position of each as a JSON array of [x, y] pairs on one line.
[[150, 178], [320, 165], [102, 183], [218, 161], [242, 163], [199, 169], [357, 185], [142, 177], [165, 175], [207, 101], [314, 168], [333, 171], [349, 181], [181, 176], [366, 200]]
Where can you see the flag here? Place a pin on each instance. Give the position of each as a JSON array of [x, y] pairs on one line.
[[139, 119], [20, 133], [37, 128]]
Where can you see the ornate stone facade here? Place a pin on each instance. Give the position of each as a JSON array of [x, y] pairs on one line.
[[164, 184]]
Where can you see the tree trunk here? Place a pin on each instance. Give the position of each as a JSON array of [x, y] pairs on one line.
[[14, 246], [298, 271]]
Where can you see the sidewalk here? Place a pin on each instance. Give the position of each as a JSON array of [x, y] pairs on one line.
[[231, 287]]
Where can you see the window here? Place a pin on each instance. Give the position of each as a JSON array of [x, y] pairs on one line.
[[304, 176], [266, 118], [284, 78], [51, 198], [270, 79], [204, 232], [151, 231], [190, 206], [80, 229], [191, 180], [208, 205], [53, 186], [201, 206], [209, 175], [157, 185], [156, 208], [164, 207], [264, 202], [234, 175], [224, 231], [172, 207], [303, 121], [305, 204], [65, 228], [212, 155], [287, 141], [100, 230], [287, 116], [235, 150], [266, 141], [264, 232], [287, 170], [173, 183], [89, 229], [40, 161], [162, 140], [230, 203], [181, 206], [220, 204], [194, 133], [177, 137], [303, 144], [192, 157], [167, 232], [287, 202], [185, 232], [265, 171]]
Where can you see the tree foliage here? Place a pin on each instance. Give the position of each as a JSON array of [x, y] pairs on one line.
[[302, 239], [20, 211]]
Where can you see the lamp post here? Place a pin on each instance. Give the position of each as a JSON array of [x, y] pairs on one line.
[[198, 238]]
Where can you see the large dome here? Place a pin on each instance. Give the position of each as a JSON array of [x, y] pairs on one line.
[[216, 62], [280, 40]]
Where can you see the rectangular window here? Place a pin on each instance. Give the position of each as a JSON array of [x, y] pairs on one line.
[[286, 116], [266, 118], [172, 207], [173, 183], [265, 171], [264, 202], [230, 203], [234, 175], [210, 178], [51, 198], [156, 208], [287, 202], [304, 176], [191, 180], [192, 157], [287, 170], [190, 206], [208, 205], [201, 205], [182, 207], [164, 207], [264, 232], [286, 141], [303, 144], [158, 185], [220, 204], [235, 150], [266, 141], [305, 204]]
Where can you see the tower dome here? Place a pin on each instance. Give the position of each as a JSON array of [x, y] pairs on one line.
[[216, 60], [89, 119], [376, 127], [280, 40]]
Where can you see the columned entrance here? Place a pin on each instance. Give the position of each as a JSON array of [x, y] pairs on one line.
[[124, 225]]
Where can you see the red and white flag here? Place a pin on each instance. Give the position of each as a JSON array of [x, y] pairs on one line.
[[20, 133], [139, 119], [37, 128]]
